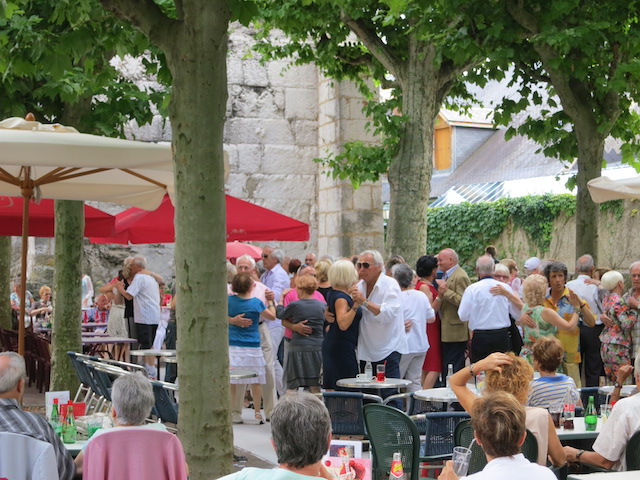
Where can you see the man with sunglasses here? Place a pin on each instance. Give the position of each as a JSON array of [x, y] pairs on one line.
[[382, 337]]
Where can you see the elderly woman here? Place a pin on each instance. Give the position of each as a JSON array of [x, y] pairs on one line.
[[43, 308], [514, 281], [426, 269], [299, 455], [551, 387], [340, 341], [322, 270], [417, 314], [132, 400], [508, 373], [616, 336]]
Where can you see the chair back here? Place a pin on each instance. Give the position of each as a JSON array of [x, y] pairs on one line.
[[101, 383], [438, 429], [391, 430], [633, 452], [598, 398], [464, 436], [117, 454], [345, 410], [9, 339], [165, 407], [26, 457]]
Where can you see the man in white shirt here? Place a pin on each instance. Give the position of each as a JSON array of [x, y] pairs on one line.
[[382, 338], [276, 279], [487, 314], [589, 336]]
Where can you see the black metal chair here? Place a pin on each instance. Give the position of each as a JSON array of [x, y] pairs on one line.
[[165, 406], [438, 430], [345, 409]]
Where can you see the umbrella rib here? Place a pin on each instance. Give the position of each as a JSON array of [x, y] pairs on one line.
[[7, 177], [68, 174], [44, 179], [145, 178]]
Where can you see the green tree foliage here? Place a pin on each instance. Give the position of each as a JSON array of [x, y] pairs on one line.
[[418, 49]]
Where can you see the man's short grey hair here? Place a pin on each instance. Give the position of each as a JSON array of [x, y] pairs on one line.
[[377, 257], [139, 261], [132, 398], [231, 271], [248, 258], [300, 427], [500, 268], [279, 254], [634, 264], [485, 265], [585, 264], [553, 267], [13, 372], [403, 274]]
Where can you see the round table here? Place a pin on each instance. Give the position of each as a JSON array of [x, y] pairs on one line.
[[154, 352], [374, 384]]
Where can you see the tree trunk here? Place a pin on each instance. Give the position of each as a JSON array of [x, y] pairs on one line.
[[197, 59], [67, 289], [5, 282], [410, 171]]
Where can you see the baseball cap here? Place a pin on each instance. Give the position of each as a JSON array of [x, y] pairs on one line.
[[532, 263]]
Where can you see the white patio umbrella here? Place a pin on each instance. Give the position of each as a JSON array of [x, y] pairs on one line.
[[603, 189], [54, 161]]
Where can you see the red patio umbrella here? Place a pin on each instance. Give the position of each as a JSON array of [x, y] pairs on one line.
[[245, 222], [42, 219], [237, 249]]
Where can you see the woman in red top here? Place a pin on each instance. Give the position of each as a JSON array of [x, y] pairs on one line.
[[426, 268]]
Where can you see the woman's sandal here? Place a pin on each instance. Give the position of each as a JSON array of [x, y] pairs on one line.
[[259, 418]]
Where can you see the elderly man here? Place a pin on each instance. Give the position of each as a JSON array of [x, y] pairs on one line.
[[609, 448], [454, 333], [299, 455], [145, 294], [276, 279], [13, 420], [565, 302], [382, 338], [310, 259], [99, 313], [246, 264], [589, 336], [487, 314], [132, 401], [632, 297]]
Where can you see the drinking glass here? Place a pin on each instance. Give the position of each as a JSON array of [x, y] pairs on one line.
[[380, 372], [460, 458]]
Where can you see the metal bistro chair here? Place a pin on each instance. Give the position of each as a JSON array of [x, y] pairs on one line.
[[84, 392], [390, 431], [438, 430], [464, 436], [165, 407], [345, 409]]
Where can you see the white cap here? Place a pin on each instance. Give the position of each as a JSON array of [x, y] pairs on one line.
[[532, 263]]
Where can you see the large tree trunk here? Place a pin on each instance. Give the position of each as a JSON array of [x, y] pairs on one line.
[[197, 60], [67, 289], [5, 282], [410, 171]]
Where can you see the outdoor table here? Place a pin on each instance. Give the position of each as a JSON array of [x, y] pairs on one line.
[[121, 345], [91, 325], [579, 432], [152, 352], [75, 448], [373, 384], [238, 374], [627, 390], [632, 475]]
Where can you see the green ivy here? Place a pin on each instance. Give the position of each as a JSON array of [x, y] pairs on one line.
[[614, 207], [470, 227]]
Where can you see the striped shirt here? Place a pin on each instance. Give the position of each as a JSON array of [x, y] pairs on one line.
[[14, 420], [546, 391]]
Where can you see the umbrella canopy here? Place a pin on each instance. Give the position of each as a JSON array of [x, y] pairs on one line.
[[54, 161], [237, 249], [603, 189], [41, 219], [245, 221]]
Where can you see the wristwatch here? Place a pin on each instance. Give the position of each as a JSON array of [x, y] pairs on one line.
[[617, 385], [365, 304], [578, 455]]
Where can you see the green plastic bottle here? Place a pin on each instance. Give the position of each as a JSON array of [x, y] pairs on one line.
[[55, 418], [590, 416], [69, 431]]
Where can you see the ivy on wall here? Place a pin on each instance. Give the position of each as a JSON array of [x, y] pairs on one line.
[[468, 228]]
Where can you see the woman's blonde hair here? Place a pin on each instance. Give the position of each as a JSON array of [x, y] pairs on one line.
[[44, 289], [343, 274], [306, 284], [322, 269], [534, 290], [514, 378]]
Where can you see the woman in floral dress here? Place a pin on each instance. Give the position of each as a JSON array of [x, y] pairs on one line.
[[616, 338]]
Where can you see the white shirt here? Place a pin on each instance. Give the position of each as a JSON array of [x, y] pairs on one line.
[[146, 299], [416, 307], [483, 310], [623, 422], [513, 467], [382, 334], [277, 280], [589, 293]]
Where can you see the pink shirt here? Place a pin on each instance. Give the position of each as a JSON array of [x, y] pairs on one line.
[[292, 296]]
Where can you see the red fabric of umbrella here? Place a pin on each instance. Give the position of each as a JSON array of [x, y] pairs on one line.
[[42, 219], [245, 222], [237, 249]]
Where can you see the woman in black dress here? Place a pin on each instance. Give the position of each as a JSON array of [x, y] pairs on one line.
[[340, 341]]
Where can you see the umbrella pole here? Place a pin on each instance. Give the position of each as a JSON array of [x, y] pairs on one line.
[[26, 193]]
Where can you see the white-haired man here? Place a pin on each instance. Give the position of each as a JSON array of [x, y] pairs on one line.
[[382, 338], [13, 420], [246, 264], [487, 314]]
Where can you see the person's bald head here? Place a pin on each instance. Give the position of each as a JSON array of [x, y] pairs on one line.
[[12, 375], [447, 259]]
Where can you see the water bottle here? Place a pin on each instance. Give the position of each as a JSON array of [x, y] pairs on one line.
[[69, 431], [449, 375], [397, 472], [590, 416], [368, 370], [54, 419], [569, 410]]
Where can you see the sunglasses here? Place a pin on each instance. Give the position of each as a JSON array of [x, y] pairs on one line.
[[364, 265], [264, 255]]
